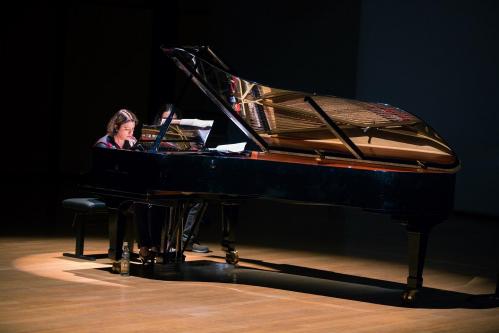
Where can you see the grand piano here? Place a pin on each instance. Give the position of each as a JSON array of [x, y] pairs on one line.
[[308, 149]]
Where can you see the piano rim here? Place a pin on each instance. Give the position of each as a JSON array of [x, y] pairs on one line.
[[302, 158]]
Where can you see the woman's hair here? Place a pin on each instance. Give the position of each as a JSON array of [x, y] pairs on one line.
[[165, 108], [168, 107], [121, 117]]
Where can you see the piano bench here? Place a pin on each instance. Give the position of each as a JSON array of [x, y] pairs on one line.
[[83, 207]]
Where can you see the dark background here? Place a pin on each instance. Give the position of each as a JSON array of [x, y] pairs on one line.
[[67, 68]]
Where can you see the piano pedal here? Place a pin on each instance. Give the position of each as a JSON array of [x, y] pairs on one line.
[[145, 261], [232, 257], [158, 259]]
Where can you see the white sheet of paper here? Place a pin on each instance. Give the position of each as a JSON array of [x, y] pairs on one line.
[[196, 122], [230, 148], [203, 133]]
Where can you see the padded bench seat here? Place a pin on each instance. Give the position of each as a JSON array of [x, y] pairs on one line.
[[83, 206]]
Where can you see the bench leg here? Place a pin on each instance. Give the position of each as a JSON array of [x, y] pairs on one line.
[[79, 226]]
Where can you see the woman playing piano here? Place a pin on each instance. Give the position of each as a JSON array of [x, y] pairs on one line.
[[119, 131], [148, 219]]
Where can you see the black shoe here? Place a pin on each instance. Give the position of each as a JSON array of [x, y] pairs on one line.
[[146, 256], [198, 248]]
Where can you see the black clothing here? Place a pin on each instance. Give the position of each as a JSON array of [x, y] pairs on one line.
[[189, 229], [107, 141], [149, 219], [149, 222]]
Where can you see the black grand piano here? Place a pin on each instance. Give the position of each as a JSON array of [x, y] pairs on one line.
[[310, 149]]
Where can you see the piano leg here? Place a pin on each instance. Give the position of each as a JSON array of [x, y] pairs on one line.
[[229, 219], [417, 244], [174, 252], [120, 228]]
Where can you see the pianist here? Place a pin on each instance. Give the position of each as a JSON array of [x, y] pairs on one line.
[[164, 113], [147, 219], [119, 131]]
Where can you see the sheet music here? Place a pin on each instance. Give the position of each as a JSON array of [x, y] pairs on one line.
[[230, 148], [196, 123]]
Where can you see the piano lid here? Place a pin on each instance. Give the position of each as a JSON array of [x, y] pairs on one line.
[[306, 123]]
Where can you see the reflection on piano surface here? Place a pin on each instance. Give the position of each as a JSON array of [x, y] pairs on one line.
[[311, 149], [184, 135]]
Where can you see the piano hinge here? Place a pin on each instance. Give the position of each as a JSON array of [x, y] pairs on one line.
[[421, 164], [321, 156], [369, 137]]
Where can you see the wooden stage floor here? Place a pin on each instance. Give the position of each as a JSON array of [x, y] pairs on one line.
[[273, 290]]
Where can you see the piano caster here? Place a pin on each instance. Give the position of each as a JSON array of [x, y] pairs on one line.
[[409, 297], [232, 257]]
